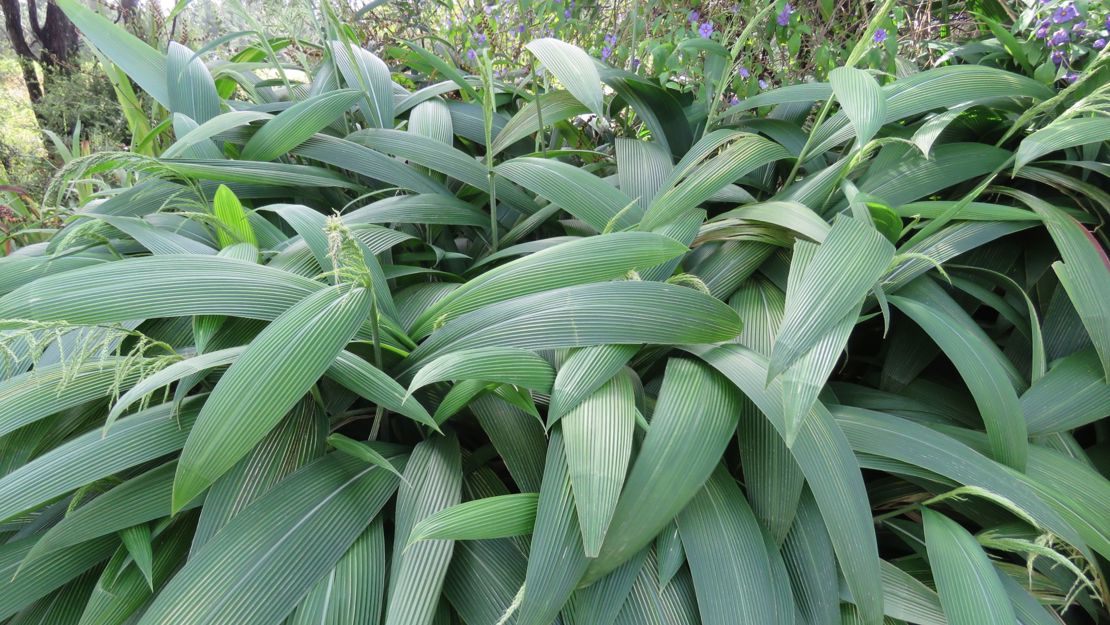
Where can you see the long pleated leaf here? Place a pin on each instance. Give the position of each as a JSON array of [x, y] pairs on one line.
[[986, 379], [505, 365], [556, 561], [433, 482], [265, 559], [597, 437], [846, 265], [491, 517], [574, 69], [1061, 135], [573, 262], [724, 545], [290, 355], [830, 469], [143, 64], [140, 438], [297, 123], [967, 583], [693, 422], [591, 314]]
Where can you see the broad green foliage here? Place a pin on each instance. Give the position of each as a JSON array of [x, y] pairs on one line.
[[382, 342]]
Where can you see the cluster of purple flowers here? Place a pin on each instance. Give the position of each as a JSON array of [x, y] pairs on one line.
[[1062, 27], [607, 51], [783, 18]]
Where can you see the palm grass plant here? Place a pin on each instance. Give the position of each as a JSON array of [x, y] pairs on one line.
[[559, 348]]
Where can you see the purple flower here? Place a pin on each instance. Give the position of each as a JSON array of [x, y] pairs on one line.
[[784, 17], [611, 40], [1071, 77], [693, 17], [1042, 32], [1057, 57], [635, 63], [566, 14], [488, 9], [606, 52], [472, 55], [1107, 22], [1059, 38], [734, 101], [520, 29], [1099, 44], [1080, 25], [744, 73], [1065, 14], [706, 30], [481, 39], [880, 35], [762, 84]]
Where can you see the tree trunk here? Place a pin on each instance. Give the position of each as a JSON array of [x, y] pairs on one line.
[[13, 25], [58, 36]]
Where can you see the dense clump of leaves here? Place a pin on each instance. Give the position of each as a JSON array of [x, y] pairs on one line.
[[486, 352]]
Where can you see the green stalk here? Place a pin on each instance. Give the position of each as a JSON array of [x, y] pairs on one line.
[[488, 103]]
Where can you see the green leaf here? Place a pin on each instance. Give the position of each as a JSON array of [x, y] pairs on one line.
[[968, 585], [556, 561], [351, 594], [1060, 135], [694, 419], [364, 71], [808, 555], [891, 437], [724, 546], [296, 441], [846, 265], [118, 595], [1072, 394], [577, 261], [517, 437], [258, 567], [427, 208], [504, 365], [939, 88], [375, 385], [491, 517], [574, 69], [590, 314], [363, 452], [297, 123], [830, 469], [143, 64], [137, 541], [45, 390], [51, 572], [1084, 272], [572, 189], [553, 107], [141, 499], [139, 438], [582, 373], [861, 99], [191, 89], [694, 185], [287, 357], [597, 437], [971, 352], [234, 219], [433, 482]]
